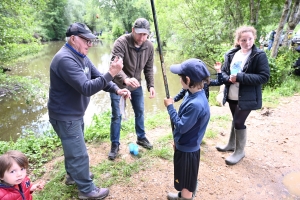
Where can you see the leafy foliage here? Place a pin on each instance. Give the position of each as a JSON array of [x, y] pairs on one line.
[[100, 127], [16, 28], [117, 30], [195, 35], [205, 30], [280, 68], [54, 21], [125, 12]]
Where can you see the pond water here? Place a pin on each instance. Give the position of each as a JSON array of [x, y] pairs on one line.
[[17, 117]]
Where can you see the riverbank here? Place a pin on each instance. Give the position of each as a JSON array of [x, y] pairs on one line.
[[272, 152]]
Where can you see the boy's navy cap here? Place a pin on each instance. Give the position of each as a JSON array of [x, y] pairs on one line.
[[141, 25], [193, 68], [80, 29]]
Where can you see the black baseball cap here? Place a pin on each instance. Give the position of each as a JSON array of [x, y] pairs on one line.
[[80, 29], [141, 25]]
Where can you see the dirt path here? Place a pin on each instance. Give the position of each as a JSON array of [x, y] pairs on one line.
[[272, 152]]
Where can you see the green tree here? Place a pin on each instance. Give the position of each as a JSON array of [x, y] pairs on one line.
[[195, 29], [54, 20], [125, 12], [204, 29], [75, 11], [17, 23], [294, 19], [282, 22]]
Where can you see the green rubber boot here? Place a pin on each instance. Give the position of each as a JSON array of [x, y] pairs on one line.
[[239, 153], [231, 143]]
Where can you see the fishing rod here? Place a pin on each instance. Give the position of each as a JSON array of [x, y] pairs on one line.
[[160, 51], [161, 56]]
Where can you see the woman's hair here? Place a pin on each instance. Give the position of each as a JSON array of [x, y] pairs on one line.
[[6, 161], [192, 84], [243, 29]]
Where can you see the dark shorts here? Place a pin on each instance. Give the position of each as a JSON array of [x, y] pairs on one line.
[[186, 167]]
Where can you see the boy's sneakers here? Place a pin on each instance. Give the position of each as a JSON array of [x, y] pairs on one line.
[[144, 143], [113, 151], [70, 180], [174, 196], [96, 193], [177, 196]]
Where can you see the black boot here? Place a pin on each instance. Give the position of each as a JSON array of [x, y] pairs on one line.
[[113, 151]]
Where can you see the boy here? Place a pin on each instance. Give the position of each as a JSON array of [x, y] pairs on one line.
[[190, 124]]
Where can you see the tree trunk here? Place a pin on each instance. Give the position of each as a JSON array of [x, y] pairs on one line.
[[254, 10], [294, 19], [282, 22]]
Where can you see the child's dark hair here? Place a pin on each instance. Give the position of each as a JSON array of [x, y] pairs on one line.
[[6, 161], [192, 83]]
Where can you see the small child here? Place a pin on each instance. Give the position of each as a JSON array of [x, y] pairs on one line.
[[190, 125], [14, 181], [213, 82]]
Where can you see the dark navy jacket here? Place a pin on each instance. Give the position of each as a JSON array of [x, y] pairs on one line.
[[73, 79], [190, 122], [256, 72]]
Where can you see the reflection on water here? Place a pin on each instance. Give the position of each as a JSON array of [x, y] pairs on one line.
[[17, 117], [292, 183]]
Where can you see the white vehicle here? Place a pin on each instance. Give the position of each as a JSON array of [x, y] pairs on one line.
[[296, 38], [266, 41]]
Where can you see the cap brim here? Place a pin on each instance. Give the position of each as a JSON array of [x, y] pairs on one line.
[[141, 30], [90, 36], [176, 69]]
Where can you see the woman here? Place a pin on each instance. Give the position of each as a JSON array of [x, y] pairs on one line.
[[245, 70]]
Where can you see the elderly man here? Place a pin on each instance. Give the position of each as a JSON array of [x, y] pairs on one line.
[[73, 79], [137, 53]]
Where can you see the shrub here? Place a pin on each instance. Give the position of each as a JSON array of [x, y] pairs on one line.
[[280, 67], [117, 30]]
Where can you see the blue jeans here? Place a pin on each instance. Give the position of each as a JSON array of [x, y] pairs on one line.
[[137, 102], [76, 156], [270, 44]]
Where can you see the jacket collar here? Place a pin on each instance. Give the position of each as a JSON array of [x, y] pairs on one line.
[[73, 50]]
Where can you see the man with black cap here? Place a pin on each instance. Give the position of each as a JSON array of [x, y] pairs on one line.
[[137, 53], [73, 79]]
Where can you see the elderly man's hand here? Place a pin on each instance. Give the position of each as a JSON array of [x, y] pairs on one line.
[[115, 66], [125, 93]]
